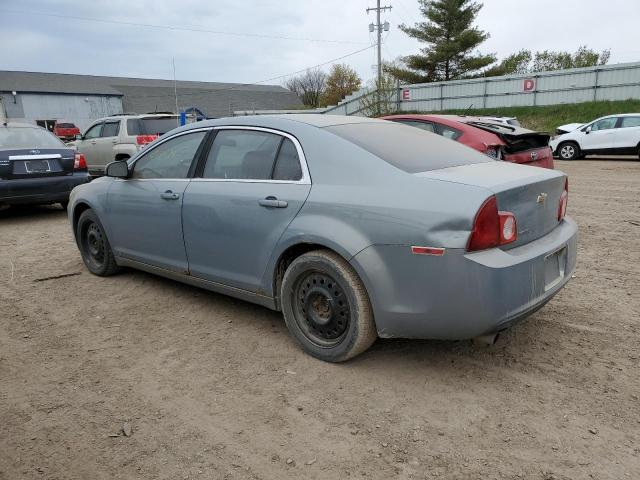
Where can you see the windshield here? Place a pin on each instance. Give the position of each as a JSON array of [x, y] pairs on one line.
[[151, 125], [27, 137], [408, 148]]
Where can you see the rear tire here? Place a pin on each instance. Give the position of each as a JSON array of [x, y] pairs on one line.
[[326, 307], [569, 151], [94, 246]]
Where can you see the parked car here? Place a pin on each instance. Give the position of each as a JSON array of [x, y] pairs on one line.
[[610, 135], [353, 227], [120, 137], [36, 167], [65, 131], [500, 141]]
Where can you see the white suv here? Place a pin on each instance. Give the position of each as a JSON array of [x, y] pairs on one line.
[[611, 135], [120, 137]]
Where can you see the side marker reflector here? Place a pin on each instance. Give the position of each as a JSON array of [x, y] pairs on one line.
[[438, 252]]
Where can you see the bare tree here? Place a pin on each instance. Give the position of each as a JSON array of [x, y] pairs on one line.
[[309, 86]]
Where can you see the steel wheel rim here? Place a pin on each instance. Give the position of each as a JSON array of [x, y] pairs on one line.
[[567, 151], [321, 309], [93, 242]]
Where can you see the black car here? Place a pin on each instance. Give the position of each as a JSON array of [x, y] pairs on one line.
[[36, 167]]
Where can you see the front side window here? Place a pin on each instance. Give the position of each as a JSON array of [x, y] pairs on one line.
[[241, 155], [170, 159], [628, 122], [110, 129], [604, 124], [93, 132]]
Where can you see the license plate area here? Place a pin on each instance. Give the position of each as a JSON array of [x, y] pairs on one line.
[[555, 265], [37, 166]]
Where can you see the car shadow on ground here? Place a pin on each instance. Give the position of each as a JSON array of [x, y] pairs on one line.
[[32, 212]]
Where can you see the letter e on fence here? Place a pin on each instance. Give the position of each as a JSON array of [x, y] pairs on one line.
[[406, 94], [529, 85]]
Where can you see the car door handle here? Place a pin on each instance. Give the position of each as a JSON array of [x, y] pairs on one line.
[[273, 202], [93, 142], [169, 195]]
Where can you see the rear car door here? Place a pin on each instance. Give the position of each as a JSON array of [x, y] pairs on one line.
[[628, 135], [602, 137], [88, 146], [251, 185], [144, 211]]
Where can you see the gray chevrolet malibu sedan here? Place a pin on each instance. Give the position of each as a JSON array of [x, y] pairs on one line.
[[354, 228]]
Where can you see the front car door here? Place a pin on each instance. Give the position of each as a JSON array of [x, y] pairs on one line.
[[251, 185], [144, 211], [107, 140], [88, 146], [601, 138]]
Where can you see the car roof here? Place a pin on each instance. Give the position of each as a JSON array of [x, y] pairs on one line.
[[21, 125], [313, 119]]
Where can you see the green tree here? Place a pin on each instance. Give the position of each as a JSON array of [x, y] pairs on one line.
[[451, 40], [382, 97], [342, 81], [514, 63]]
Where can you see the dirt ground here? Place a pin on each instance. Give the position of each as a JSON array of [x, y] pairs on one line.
[[211, 387]]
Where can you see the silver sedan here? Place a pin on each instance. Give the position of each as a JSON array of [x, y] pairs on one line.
[[354, 228]]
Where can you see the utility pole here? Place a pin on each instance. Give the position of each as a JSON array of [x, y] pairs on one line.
[[379, 27]]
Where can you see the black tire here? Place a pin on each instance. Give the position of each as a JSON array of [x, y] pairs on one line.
[[569, 151], [326, 307], [94, 246]]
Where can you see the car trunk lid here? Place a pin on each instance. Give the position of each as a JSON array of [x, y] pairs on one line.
[[35, 163], [531, 194]]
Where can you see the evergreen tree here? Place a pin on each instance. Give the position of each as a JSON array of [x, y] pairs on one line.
[[451, 41]]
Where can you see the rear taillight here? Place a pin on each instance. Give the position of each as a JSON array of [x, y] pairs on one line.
[[145, 139], [492, 228], [564, 198], [80, 163]]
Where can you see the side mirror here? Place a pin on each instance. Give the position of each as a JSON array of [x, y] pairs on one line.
[[78, 136], [587, 130], [117, 169]]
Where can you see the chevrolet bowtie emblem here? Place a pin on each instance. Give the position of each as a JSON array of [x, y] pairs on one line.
[[541, 198]]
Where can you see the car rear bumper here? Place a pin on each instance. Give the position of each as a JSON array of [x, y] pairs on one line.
[[538, 157], [463, 295], [40, 190]]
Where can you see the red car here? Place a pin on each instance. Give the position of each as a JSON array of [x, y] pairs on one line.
[[504, 142], [65, 131]]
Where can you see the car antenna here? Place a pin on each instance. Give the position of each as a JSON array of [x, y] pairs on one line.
[[467, 110]]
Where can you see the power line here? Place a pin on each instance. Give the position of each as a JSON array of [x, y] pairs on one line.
[[240, 85], [176, 28]]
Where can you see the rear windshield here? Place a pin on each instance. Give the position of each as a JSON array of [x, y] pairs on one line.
[[27, 137], [65, 125], [407, 148], [151, 126]]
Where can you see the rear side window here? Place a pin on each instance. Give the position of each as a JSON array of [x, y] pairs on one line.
[[151, 126], [415, 123], [630, 122], [448, 132], [242, 155], [288, 163], [409, 149], [110, 129]]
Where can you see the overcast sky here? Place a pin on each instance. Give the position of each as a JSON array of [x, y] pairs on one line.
[[70, 45]]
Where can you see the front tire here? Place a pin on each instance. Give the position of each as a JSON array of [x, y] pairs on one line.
[[94, 246], [326, 307], [569, 151]]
